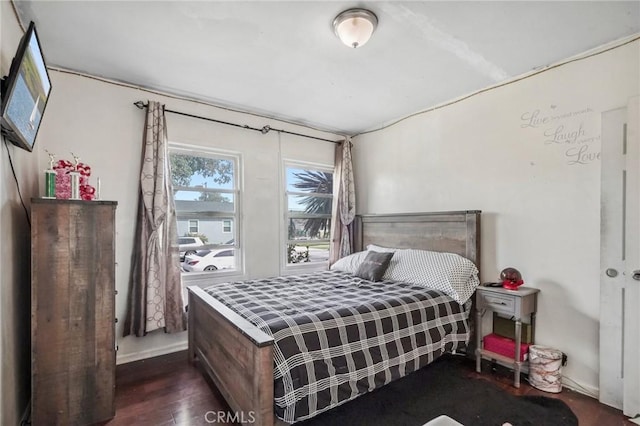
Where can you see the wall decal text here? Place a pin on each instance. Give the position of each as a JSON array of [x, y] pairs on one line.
[[571, 131]]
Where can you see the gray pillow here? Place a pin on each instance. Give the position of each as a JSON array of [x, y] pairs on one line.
[[374, 266]]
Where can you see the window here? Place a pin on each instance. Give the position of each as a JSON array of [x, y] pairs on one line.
[[309, 197], [205, 185]]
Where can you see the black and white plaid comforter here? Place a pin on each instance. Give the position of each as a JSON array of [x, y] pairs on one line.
[[338, 336]]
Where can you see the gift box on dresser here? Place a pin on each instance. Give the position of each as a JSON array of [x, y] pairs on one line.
[[504, 346]]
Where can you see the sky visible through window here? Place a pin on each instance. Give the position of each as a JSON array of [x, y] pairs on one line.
[[198, 180], [294, 201]]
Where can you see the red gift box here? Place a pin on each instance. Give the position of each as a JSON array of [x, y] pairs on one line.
[[505, 346]]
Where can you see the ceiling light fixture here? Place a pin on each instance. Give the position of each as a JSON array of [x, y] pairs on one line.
[[355, 26]]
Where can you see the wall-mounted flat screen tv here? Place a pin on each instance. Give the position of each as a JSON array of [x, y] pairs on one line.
[[25, 92]]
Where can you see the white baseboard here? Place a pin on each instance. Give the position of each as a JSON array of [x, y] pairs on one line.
[[137, 356], [588, 390]]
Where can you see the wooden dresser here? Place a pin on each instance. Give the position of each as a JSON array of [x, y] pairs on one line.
[[72, 311]]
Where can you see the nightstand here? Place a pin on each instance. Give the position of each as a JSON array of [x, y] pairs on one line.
[[516, 304]]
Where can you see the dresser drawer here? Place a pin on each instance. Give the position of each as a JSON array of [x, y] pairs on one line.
[[500, 303]]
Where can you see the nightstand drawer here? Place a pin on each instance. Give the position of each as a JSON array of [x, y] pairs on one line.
[[500, 303]]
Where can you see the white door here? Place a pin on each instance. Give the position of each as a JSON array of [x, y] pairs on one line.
[[620, 259]]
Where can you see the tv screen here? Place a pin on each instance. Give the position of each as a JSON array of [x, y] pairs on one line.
[[25, 92]]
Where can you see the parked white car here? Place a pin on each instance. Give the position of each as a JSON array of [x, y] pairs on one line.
[[188, 245], [209, 260]]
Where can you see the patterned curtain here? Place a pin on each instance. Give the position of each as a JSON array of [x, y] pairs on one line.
[[344, 209], [155, 288]]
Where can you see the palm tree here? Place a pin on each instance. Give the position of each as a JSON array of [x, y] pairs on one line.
[[315, 182]]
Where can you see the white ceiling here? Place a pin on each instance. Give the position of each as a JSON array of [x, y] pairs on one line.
[[282, 60]]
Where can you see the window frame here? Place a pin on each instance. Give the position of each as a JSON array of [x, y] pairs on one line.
[[235, 216], [197, 221], [285, 266], [230, 231]]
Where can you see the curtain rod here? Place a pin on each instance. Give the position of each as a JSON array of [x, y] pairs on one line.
[[264, 130]]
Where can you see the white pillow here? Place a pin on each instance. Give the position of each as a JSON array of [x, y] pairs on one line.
[[380, 249], [450, 273], [349, 263]]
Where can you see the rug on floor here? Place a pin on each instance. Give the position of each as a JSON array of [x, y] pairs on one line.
[[444, 388]]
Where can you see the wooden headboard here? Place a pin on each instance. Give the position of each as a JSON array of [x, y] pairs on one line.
[[454, 232]]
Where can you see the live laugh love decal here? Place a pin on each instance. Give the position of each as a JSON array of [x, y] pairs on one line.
[[573, 134]]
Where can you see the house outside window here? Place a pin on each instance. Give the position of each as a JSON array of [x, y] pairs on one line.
[[206, 192], [308, 198]]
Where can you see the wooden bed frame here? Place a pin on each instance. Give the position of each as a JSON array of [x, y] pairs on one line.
[[238, 356]]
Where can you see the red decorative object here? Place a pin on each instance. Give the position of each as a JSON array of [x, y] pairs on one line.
[[63, 181], [505, 346], [511, 278]]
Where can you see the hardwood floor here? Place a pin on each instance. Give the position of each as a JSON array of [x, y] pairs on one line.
[[589, 411], [165, 390], [168, 391]]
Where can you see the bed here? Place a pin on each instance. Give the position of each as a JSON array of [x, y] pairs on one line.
[[243, 361]]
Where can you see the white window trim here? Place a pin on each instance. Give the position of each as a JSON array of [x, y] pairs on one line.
[[197, 226], [230, 231], [294, 268], [207, 278]]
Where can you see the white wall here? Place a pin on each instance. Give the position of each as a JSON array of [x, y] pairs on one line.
[[15, 307], [540, 212], [538, 192], [97, 121]]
